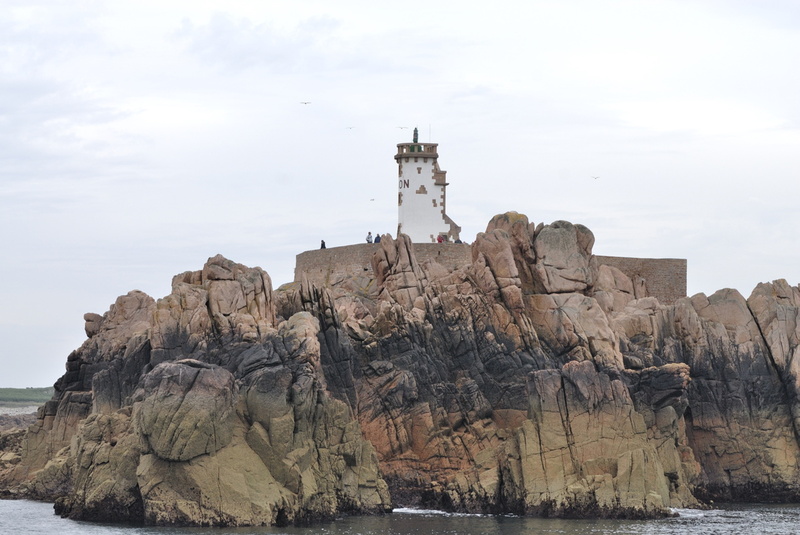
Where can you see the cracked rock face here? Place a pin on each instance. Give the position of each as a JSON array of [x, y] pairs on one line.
[[185, 409], [563, 258], [531, 381], [199, 409]]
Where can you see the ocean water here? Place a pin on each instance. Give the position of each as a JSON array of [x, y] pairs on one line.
[[18, 410], [26, 517]]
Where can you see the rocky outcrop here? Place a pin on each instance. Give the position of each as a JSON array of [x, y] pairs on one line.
[[200, 409], [739, 419], [13, 422], [531, 381], [185, 409]]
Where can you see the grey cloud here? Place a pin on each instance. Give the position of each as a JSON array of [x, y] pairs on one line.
[[313, 47], [56, 33], [240, 44], [40, 118]]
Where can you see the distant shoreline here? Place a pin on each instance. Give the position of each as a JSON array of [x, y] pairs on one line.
[[18, 408], [16, 398]]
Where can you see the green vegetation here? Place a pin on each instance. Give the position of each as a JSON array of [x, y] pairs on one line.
[[18, 396]]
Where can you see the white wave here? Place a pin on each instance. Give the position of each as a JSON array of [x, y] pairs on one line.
[[694, 513], [429, 512]]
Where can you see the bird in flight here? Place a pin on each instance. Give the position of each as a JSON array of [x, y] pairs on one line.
[[349, 127], [401, 127], [305, 102], [595, 177]]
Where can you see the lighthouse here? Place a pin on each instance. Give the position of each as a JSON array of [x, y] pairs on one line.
[[421, 198]]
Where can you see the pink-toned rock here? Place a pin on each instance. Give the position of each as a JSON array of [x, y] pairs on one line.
[[495, 252], [520, 234], [530, 381], [563, 258], [397, 271], [574, 326], [613, 290]]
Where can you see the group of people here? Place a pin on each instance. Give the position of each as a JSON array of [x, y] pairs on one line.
[[377, 239], [444, 238], [370, 239]]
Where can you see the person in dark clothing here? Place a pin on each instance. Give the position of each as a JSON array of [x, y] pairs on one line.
[[322, 244]]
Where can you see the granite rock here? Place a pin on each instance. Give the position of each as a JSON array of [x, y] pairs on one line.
[[531, 381]]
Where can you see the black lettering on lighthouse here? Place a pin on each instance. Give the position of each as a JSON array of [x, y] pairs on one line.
[[404, 183]]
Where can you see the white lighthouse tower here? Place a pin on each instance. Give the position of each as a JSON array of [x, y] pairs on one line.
[[421, 199]]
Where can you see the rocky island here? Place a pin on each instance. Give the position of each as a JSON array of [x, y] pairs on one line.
[[532, 380]]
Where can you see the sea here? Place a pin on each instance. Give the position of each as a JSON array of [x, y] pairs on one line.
[[24, 517]]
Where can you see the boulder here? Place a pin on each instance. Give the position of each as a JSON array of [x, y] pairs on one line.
[[564, 261], [185, 409]]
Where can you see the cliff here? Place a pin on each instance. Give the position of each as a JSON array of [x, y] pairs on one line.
[[531, 381]]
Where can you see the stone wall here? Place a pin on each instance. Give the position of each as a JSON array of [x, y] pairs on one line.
[[664, 278], [335, 263]]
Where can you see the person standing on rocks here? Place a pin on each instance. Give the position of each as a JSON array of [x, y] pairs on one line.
[[369, 237], [321, 244], [377, 238]]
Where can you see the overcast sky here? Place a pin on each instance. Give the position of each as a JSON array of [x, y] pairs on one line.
[[137, 139]]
